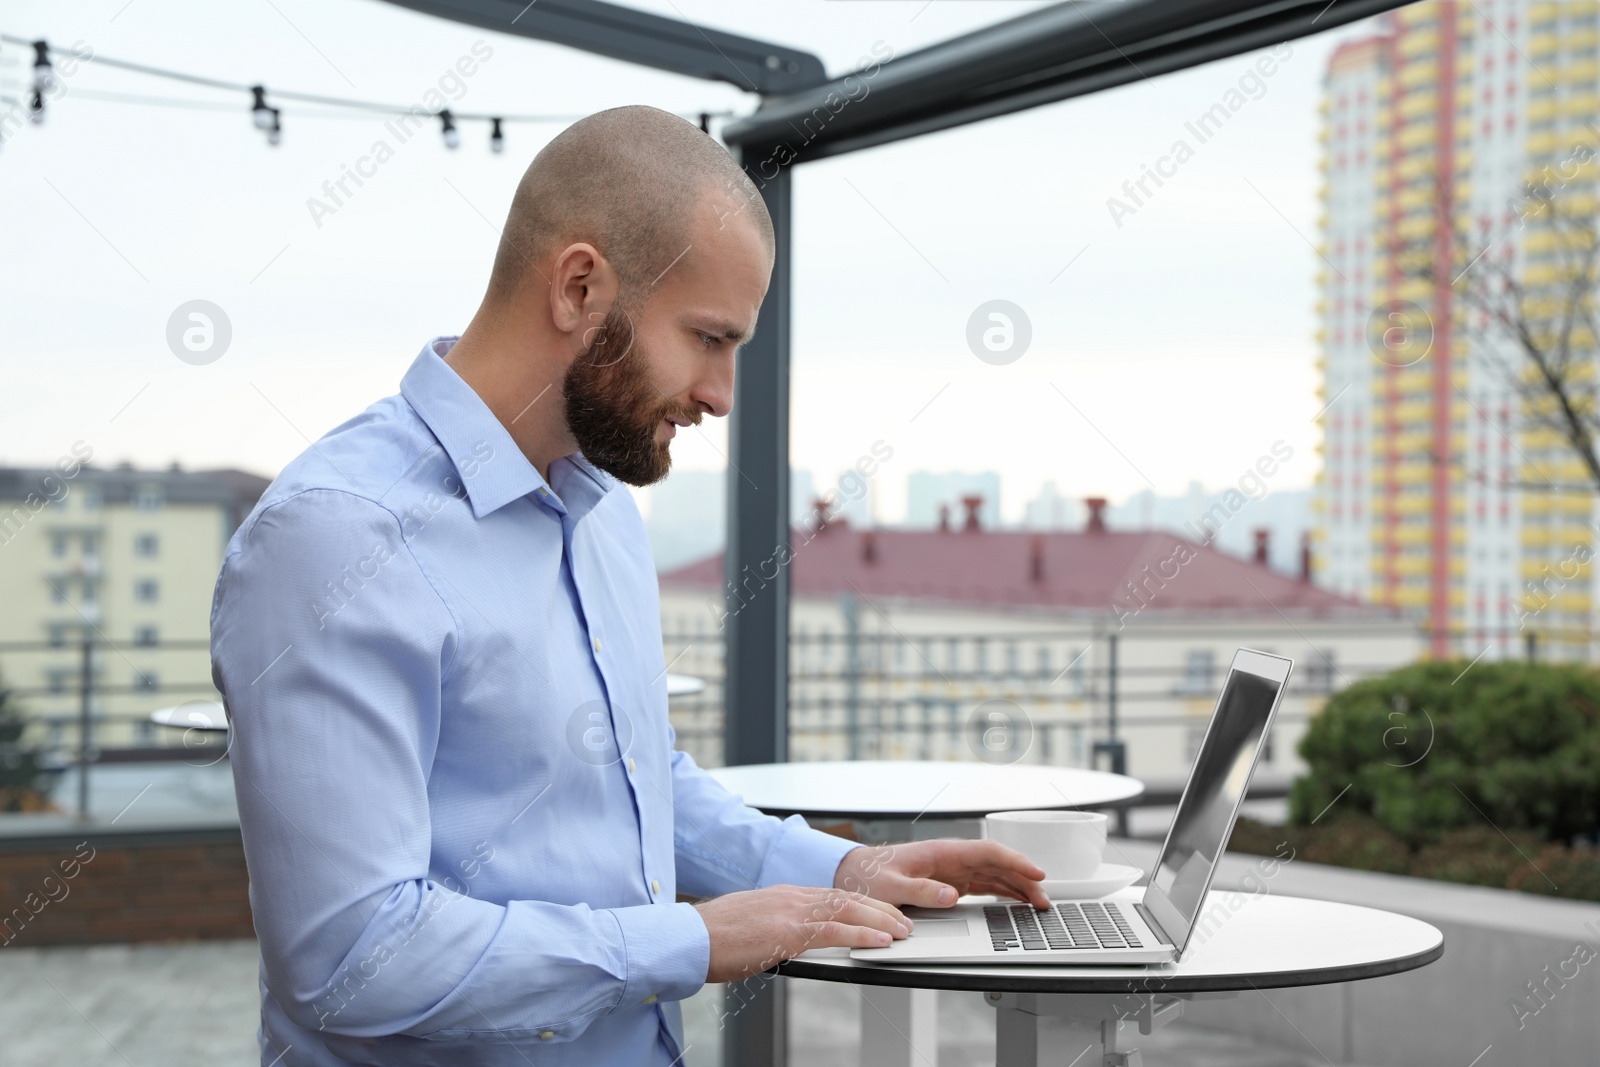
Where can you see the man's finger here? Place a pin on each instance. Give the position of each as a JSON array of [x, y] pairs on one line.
[[1019, 888], [927, 892], [1000, 857], [838, 899]]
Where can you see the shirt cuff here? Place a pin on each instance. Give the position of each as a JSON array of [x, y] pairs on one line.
[[667, 952], [803, 856]]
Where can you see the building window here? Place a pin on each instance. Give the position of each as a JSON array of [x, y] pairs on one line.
[[146, 546], [91, 546], [146, 681], [148, 498], [58, 546], [91, 593], [1197, 670], [58, 637], [57, 682], [1320, 670], [146, 636], [58, 595], [147, 591]]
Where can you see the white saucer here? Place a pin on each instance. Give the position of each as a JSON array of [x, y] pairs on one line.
[[1108, 879]]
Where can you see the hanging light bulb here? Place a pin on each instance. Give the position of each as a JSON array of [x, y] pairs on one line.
[[497, 139], [43, 81], [452, 136], [259, 111], [44, 75], [275, 131]]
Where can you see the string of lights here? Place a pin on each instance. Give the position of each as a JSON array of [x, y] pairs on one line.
[[264, 113]]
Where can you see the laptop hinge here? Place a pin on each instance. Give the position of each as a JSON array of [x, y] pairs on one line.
[[1150, 921]]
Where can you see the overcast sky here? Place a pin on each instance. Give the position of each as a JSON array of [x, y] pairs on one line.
[[1176, 346]]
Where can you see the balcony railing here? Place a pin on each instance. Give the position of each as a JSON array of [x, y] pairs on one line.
[[1134, 701]]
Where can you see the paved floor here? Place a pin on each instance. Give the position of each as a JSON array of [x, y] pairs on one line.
[[194, 1005]]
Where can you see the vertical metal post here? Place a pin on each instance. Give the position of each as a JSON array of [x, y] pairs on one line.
[[1113, 746], [85, 721], [1531, 642], [756, 626], [1111, 690], [852, 671]]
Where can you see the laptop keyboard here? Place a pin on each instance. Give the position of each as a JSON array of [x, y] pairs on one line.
[[1020, 927]]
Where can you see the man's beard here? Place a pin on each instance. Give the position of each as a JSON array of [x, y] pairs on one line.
[[613, 408]]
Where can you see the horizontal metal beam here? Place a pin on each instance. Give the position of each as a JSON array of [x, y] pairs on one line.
[[640, 37], [1044, 56]]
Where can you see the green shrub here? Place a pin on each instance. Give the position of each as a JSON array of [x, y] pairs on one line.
[[1355, 840], [1476, 855], [1427, 749], [1559, 871], [1259, 838]]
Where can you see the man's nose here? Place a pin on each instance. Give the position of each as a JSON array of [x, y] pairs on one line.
[[713, 394]]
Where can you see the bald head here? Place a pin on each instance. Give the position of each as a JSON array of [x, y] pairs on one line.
[[627, 181]]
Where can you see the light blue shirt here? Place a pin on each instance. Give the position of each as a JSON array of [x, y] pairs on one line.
[[464, 817]]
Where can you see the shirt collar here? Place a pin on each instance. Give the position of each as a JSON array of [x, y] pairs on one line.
[[468, 431]]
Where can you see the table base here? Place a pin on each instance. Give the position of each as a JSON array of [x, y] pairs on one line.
[[1109, 1024]]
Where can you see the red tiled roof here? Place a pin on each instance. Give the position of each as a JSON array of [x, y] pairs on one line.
[[1026, 569]]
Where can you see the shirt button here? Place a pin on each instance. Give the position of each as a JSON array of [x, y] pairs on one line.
[[547, 1035], [632, 766], [655, 887], [597, 644], [651, 999], [542, 491]]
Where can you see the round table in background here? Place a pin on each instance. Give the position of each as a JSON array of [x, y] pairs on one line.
[[915, 789], [682, 685], [899, 1026], [1243, 941], [193, 715]]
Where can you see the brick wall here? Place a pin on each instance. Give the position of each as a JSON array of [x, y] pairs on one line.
[[97, 887]]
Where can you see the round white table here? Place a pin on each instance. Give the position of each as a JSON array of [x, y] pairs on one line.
[[682, 685], [914, 789], [193, 715], [1243, 941], [899, 1026]]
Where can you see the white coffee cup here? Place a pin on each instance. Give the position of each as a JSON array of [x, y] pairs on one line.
[[1069, 845]]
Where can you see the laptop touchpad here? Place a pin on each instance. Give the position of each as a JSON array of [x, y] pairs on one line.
[[938, 928]]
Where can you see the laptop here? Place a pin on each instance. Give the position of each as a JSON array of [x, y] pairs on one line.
[[1156, 928]]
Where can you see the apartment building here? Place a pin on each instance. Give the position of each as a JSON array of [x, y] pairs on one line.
[[1438, 494], [127, 557]]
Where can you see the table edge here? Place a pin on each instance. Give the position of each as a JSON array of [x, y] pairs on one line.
[[904, 976], [931, 813]]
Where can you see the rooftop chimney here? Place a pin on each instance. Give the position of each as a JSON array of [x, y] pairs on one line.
[[869, 548], [1036, 561], [1263, 540], [1305, 557], [1097, 516], [819, 512], [944, 517], [972, 504]]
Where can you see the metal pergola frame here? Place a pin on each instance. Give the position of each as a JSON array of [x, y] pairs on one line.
[[1054, 53]]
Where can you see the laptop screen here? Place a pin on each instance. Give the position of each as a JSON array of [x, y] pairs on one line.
[[1215, 789]]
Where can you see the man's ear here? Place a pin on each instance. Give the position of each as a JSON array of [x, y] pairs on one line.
[[583, 288]]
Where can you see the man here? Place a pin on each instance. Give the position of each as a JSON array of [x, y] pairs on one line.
[[439, 643]]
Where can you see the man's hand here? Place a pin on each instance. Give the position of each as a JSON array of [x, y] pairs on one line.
[[755, 930], [932, 874]]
